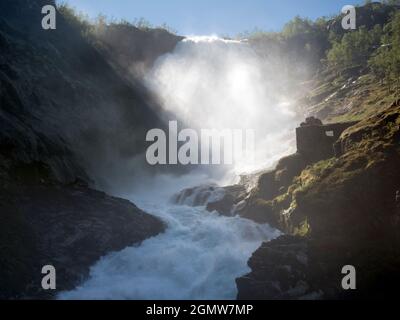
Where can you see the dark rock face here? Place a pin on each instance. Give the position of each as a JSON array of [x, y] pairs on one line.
[[315, 142], [260, 205], [69, 227], [230, 202], [339, 212], [279, 271], [198, 196], [63, 112], [62, 103], [133, 51], [273, 183]]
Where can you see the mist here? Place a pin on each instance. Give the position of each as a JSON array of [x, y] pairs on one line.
[[212, 83], [205, 83]]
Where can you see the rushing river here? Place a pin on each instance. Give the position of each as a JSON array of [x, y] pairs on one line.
[[216, 84], [198, 257]]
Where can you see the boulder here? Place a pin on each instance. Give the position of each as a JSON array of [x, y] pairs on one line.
[[68, 227], [220, 199]]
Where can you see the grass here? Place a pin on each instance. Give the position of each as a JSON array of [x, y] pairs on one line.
[[369, 146], [347, 97]]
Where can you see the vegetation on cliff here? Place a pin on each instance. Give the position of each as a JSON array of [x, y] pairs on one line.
[[130, 46], [358, 65], [347, 74], [341, 210], [345, 211]]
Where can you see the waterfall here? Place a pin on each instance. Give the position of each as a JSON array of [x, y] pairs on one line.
[[212, 83], [207, 83]]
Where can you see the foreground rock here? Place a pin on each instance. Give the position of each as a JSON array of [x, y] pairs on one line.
[[280, 270], [69, 227], [336, 212]]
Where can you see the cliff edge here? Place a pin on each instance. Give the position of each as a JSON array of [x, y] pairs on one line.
[[340, 211]]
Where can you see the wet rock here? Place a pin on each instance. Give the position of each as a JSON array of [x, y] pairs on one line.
[[133, 51], [198, 196], [279, 271], [69, 227], [340, 211], [227, 205], [220, 199]]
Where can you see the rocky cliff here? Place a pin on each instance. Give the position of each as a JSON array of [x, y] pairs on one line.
[[336, 212], [57, 86], [70, 227], [339, 208], [131, 50], [66, 117]]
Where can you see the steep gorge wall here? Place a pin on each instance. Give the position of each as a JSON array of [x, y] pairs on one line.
[[133, 51], [63, 111], [57, 86], [337, 212]]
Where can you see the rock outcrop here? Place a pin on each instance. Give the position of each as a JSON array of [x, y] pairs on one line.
[[223, 200], [315, 142], [279, 271], [62, 103], [133, 51], [337, 212], [67, 226]]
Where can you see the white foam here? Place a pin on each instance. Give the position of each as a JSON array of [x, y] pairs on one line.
[[198, 257], [208, 83]]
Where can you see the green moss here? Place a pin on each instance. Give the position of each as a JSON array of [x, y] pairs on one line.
[[310, 175], [317, 197], [303, 229]]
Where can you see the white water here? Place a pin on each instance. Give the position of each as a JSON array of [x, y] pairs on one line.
[[208, 83], [212, 83], [198, 257]]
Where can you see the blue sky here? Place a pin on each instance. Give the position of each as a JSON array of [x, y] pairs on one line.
[[205, 17]]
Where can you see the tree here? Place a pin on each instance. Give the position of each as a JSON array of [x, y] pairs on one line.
[[354, 48], [392, 2], [386, 61], [75, 18]]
